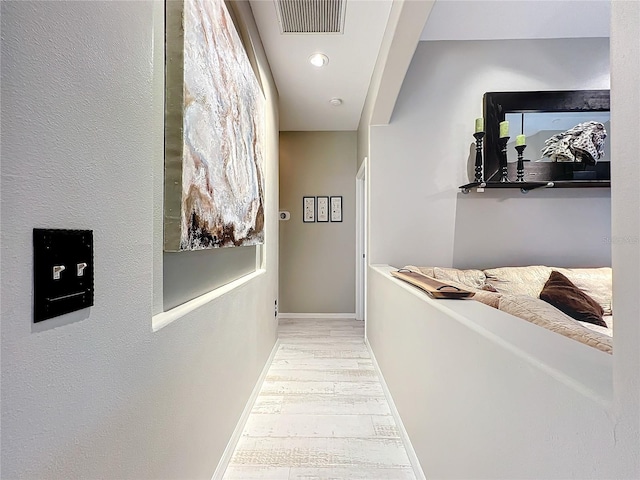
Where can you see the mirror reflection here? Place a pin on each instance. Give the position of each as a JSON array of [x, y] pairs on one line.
[[541, 126]]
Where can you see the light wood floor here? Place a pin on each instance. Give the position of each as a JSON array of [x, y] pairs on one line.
[[321, 413]]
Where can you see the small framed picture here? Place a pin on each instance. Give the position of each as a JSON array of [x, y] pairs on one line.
[[336, 209], [308, 209], [322, 204]]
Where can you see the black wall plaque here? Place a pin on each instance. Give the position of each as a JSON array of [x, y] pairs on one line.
[[62, 271]]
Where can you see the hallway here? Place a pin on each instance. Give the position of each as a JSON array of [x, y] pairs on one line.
[[321, 412]]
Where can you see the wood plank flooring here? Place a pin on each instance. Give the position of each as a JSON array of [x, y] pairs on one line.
[[321, 413]]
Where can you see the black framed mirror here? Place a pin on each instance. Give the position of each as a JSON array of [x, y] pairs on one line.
[[539, 116]]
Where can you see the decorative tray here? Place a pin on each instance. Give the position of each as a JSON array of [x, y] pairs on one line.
[[431, 286]]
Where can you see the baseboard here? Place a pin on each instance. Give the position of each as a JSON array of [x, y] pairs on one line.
[[411, 453], [319, 316], [237, 432]]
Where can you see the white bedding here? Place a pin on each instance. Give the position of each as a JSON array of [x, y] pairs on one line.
[[608, 330], [545, 315]]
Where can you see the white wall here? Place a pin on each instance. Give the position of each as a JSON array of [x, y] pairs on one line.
[[95, 393], [561, 227], [317, 260], [625, 199], [402, 33], [596, 438], [484, 395], [420, 158]]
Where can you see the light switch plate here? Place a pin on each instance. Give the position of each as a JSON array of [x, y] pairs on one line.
[[62, 271]]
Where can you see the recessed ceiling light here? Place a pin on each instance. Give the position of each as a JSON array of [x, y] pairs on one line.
[[336, 102], [318, 59]]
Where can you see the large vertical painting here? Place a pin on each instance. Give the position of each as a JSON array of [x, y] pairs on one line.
[[214, 115]]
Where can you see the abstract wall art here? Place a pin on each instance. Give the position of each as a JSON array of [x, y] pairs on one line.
[[214, 130]]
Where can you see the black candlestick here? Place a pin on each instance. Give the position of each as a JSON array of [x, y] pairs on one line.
[[503, 159], [520, 166], [478, 136]]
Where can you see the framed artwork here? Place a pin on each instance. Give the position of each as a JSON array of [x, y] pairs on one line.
[[323, 209], [214, 132], [336, 209], [308, 209]]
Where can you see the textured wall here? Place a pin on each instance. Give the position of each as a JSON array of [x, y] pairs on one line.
[[586, 439], [420, 158], [95, 393], [625, 226], [406, 21], [546, 65], [495, 397], [317, 260]]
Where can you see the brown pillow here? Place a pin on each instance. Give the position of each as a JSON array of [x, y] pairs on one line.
[[560, 292]]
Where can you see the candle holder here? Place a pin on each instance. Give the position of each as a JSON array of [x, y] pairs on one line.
[[503, 159], [520, 166], [479, 136]]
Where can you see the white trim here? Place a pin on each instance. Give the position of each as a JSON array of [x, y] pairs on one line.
[[362, 169], [361, 240], [304, 316], [404, 436], [163, 319], [237, 432], [260, 258]]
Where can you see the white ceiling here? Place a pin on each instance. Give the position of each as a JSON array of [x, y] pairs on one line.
[[305, 90], [517, 19]]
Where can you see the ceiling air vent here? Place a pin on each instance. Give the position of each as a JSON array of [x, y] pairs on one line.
[[311, 16]]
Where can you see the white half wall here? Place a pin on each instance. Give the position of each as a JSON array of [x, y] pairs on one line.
[[96, 393], [420, 158], [404, 334], [484, 395]]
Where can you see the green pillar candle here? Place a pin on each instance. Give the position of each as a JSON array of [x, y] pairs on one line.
[[479, 125], [504, 129], [521, 140]]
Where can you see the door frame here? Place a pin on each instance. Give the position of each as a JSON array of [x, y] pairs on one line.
[[361, 240]]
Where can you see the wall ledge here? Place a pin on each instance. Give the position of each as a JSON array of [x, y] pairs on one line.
[[559, 357], [163, 319]]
